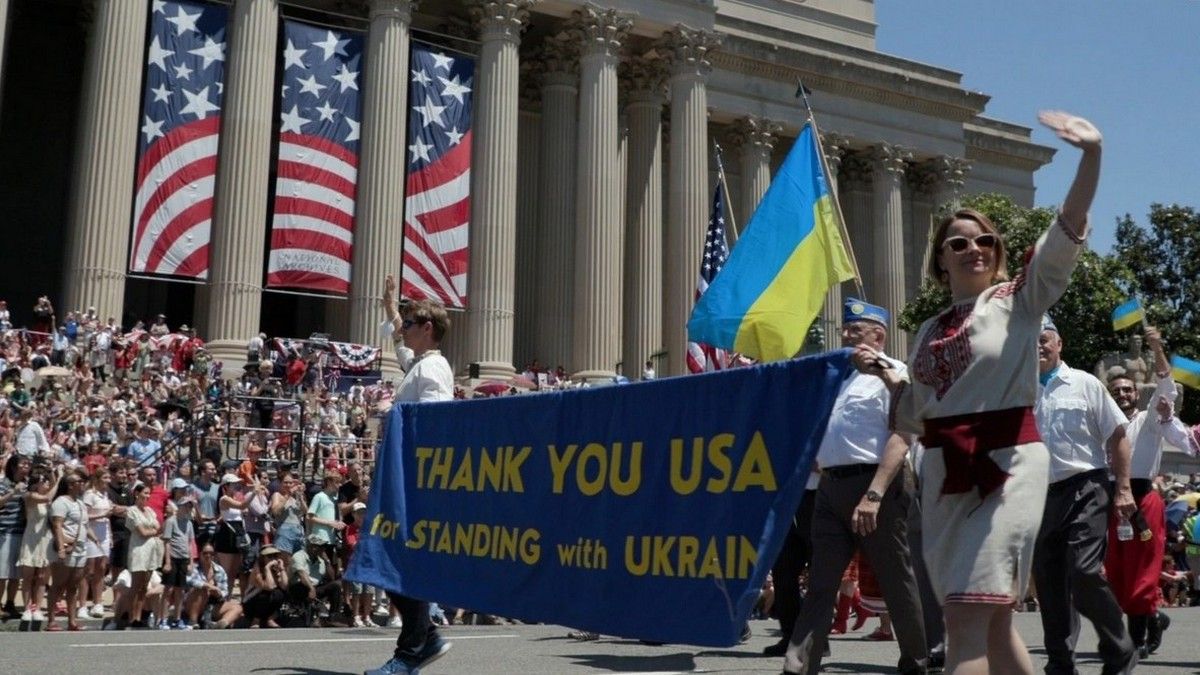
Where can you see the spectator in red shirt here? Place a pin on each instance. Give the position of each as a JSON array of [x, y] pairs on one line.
[[158, 494], [360, 594]]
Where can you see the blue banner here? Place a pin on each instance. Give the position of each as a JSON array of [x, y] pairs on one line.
[[650, 510]]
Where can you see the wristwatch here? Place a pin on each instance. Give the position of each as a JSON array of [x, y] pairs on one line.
[[873, 496]]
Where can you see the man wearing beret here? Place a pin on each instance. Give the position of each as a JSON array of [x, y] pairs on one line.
[[862, 501]]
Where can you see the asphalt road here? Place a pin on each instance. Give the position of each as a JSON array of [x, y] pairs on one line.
[[492, 649]]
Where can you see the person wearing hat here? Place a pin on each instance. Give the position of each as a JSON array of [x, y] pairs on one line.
[[313, 582], [1132, 566], [178, 537], [360, 594], [1082, 427], [862, 503], [159, 328], [231, 541], [266, 588]]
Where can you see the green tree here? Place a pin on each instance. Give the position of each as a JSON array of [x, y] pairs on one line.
[[1082, 315], [1164, 264]]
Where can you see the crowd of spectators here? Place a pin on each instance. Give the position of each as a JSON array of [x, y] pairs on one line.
[[142, 488]]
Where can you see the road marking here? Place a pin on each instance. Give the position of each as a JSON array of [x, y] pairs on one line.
[[208, 643]]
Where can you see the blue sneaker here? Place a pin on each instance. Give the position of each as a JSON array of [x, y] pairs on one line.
[[394, 666], [432, 651]]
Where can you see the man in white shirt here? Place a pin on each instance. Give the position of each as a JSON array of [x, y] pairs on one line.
[[31, 438], [1133, 567], [862, 502], [1082, 426]]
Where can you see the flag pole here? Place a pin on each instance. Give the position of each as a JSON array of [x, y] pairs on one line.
[[732, 229], [802, 94]]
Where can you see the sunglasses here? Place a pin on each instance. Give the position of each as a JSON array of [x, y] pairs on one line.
[[409, 323], [960, 244]]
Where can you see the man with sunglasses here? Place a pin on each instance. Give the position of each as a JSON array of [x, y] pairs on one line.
[[1133, 566], [1082, 426]]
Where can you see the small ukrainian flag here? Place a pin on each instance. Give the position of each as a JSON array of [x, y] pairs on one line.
[[1128, 314], [1186, 371]]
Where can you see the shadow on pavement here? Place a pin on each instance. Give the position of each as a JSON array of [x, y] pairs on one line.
[[634, 664], [295, 670]]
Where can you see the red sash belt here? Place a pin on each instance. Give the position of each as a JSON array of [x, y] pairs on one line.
[[965, 441]]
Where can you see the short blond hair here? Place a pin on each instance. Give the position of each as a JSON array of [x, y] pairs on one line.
[[431, 311]]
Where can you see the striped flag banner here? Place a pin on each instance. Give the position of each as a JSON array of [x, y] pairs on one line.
[[180, 131], [312, 227], [437, 207]]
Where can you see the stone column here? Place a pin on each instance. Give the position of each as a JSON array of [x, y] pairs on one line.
[[4, 17], [854, 192], [596, 311], [244, 169], [689, 194], [380, 204], [950, 176], [835, 146], [493, 234], [642, 321], [556, 202], [937, 187], [888, 264], [527, 267], [104, 163], [755, 137]]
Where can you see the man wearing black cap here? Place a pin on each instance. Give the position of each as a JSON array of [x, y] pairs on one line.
[[1082, 426], [862, 502]]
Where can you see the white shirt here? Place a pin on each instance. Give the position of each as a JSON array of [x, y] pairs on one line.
[[427, 377], [1076, 416], [31, 440], [1146, 433], [858, 425]]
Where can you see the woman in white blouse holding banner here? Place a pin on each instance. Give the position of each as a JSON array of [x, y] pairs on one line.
[[417, 330]]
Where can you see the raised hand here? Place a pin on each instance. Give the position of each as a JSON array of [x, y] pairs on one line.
[[1071, 128], [1153, 337]]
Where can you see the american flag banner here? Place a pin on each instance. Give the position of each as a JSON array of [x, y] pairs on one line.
[[437, 207], [180, 130], [702, 357], [312, 229]]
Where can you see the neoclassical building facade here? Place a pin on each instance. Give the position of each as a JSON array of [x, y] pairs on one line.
[[594, 166]]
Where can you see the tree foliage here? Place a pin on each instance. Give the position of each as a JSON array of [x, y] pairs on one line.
[[1163, 260], [1082, 315]]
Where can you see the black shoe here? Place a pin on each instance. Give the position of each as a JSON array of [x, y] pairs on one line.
[[1154, 631], [583, 635], [434, 649], [1143, 652], [745, 636], [937, 659], [777, 649]]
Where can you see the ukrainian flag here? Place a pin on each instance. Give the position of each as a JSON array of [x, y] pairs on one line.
[[1186, 371], [1128, 314], [774, 283]]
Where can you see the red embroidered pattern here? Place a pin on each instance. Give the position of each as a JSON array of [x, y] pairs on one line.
[[945, 351]]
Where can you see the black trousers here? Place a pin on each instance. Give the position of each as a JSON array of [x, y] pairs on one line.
[[931, 609], [418, 628], [886, 548], [1067, 563], [794, 557]]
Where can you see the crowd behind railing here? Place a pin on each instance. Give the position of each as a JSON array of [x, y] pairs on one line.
[[142, 488]]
